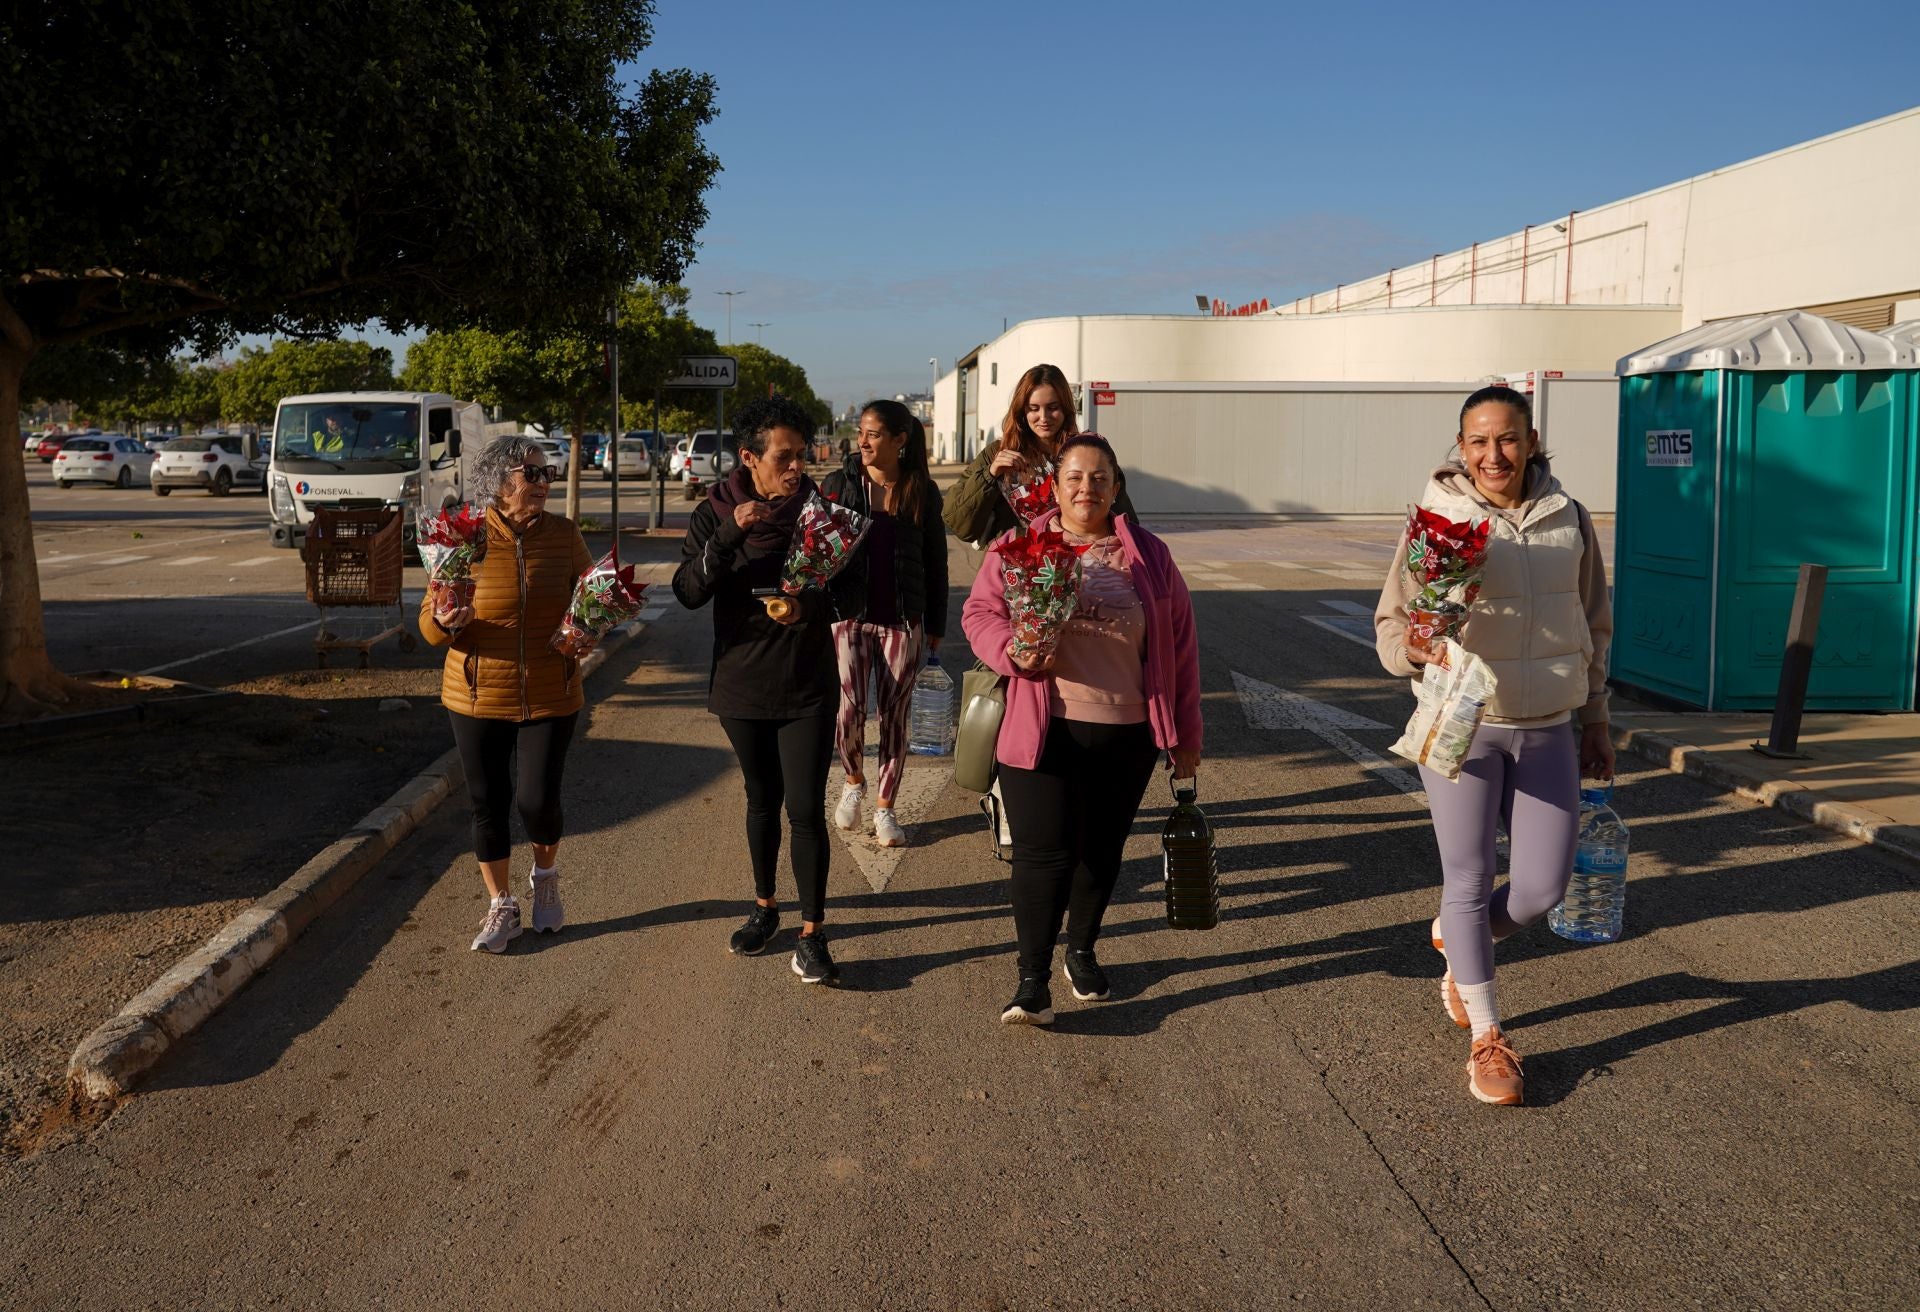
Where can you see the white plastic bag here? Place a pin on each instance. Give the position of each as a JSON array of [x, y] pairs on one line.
[[1453, 700]]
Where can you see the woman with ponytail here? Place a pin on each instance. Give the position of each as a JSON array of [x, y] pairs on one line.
[[905, 554]]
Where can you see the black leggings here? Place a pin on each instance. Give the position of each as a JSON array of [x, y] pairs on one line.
[[1070, 816], [787, 761], [487, 752]]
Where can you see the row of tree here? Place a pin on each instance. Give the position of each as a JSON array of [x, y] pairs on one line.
[[114, 389]]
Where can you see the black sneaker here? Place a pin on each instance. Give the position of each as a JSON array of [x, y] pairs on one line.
[[811, 960], [1032, 1005], [1084, 976], [761, 924]]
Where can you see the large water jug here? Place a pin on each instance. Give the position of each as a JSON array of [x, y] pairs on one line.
[[1596, 903], [930, 726]]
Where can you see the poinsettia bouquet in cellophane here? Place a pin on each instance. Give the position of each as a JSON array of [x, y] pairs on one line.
[[1029, 489], [1446, 561], [451, 543], [1042, 575], [604, 596], [824, 537]]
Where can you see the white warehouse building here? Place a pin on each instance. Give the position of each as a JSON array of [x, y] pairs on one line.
[[1238, 414]]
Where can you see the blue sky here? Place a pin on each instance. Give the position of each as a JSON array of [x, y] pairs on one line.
[[899, 178], [902, 178]]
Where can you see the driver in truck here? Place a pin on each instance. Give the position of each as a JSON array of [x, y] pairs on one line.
[[330, 439]]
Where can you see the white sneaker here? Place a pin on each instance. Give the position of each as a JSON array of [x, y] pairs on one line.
[[500, 928], [548, 913], [886, 830], [847, 814]]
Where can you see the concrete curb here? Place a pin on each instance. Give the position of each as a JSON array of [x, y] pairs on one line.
[[1781, 794], [111, 1060]]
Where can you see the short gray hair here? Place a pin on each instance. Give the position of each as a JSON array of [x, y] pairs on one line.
[[497, 461]]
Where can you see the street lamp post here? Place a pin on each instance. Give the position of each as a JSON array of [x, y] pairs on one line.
[[729, 296], [757, 325]]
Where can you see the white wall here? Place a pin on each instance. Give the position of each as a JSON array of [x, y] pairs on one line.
[[1402, 345], [942, 432], [1329, 449]]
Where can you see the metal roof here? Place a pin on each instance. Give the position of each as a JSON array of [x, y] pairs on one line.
[[1791, 339]]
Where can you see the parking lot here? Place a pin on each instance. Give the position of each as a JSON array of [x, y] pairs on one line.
[[190, 587]]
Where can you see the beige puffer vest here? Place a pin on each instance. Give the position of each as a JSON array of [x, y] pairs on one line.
[[1528, 622]]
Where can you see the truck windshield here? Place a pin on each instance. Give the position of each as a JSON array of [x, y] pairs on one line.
[[354, 437]]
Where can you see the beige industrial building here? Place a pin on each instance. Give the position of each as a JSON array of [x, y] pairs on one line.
[[1237, 414]]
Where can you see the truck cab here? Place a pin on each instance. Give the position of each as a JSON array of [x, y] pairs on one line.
[[364, 450]]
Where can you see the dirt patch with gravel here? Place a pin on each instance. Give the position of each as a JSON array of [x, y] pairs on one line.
[[126, 850]]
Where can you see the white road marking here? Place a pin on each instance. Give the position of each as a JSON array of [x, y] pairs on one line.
[[121, 560], [1355, 630], [221, 651], [918, 788], [190, 560], [1346, 607], [1268, 707], [263, 560]]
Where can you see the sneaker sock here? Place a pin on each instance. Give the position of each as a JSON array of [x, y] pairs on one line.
[[1482, 1009], [541, 872]]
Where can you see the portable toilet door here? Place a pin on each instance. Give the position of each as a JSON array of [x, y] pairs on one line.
[[1748, 448]]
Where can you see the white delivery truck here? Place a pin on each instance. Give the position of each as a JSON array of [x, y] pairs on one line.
[[364, 450]]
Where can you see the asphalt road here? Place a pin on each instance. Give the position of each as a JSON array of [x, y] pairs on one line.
[[1722, 1105]]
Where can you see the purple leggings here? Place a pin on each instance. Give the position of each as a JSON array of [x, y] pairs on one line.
[[1531, 779]]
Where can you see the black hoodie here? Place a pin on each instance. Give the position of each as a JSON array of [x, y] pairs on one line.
[[762, 669]]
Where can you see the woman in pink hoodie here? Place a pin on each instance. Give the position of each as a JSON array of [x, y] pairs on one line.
[[1084, 727]]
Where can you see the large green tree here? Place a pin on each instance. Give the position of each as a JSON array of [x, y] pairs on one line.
[[763, 373], [251, 389], [181, 172]]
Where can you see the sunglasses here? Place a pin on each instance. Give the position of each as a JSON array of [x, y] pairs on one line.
[[539, 473]]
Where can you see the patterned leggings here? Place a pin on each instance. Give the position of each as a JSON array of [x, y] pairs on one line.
[[891, 654]]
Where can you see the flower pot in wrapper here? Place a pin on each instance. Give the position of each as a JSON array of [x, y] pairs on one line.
[[1428, 630]]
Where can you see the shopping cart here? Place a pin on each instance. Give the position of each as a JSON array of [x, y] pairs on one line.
[[354, 560]]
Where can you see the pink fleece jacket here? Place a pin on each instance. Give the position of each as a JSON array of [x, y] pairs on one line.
[[1173, 649]]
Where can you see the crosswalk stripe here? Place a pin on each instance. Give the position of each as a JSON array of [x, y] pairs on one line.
[[121, 560], [261, 560], [189, 560]]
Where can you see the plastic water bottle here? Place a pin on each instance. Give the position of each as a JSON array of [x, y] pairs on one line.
[[1191, 868], [1596, 903], [930, 726]]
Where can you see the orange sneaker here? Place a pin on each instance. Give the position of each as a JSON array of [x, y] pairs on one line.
[[1493, 1071], [1450, 999]]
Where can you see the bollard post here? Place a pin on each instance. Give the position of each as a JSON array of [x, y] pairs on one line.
[[1796, 666]]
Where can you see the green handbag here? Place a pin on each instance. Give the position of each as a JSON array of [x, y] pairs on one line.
[[983, 704]]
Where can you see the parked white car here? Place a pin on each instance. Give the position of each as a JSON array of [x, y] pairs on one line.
[[109, 458], [678, 466], [215, 463], [558, 453], [711, 458]]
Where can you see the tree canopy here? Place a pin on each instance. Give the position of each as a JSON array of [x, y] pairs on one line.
[[182, 172], [251, 389]]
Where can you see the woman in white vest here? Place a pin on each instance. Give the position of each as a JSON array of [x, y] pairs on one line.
[[1543, 621]]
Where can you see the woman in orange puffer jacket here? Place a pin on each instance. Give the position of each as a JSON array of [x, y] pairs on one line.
[[513, 700]]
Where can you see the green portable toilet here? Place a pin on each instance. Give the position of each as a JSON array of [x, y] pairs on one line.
[[1747, 448]]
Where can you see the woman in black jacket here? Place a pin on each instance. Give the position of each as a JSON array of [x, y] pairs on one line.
[[905, 559], [775, 682]]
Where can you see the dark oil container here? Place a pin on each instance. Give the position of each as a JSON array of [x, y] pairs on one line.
[[1191, 871]]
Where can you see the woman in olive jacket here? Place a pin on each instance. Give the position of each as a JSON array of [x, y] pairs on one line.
[[775, 683], [1039, 418], [513, 701]]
